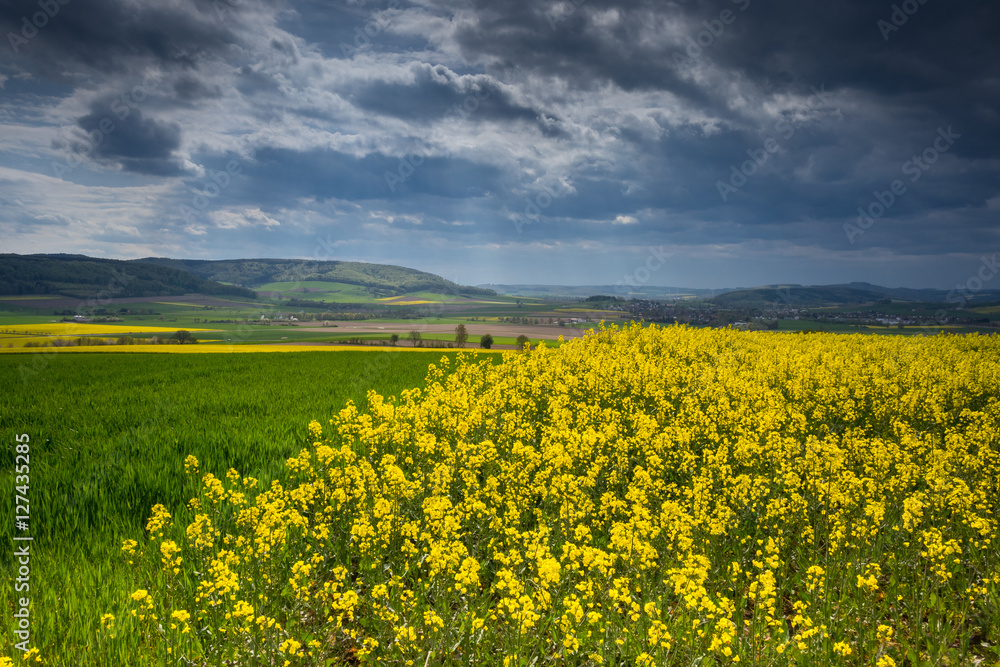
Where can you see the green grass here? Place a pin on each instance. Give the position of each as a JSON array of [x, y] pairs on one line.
[[334, 292], [327, 292], [108, 436], [23, 315], [450, 298]]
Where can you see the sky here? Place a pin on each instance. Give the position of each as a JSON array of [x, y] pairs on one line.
[[710, 144]]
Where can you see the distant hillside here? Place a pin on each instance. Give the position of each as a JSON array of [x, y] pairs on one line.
[[624, 291], [797, 296], [90, 277], [754, 297], [924, 295], [381, 279], [849, 294]]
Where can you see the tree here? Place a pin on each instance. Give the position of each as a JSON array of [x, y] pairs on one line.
[[183, 337], [415, 337], [461, 335], [486, 341], [522, 340], [394, 338]]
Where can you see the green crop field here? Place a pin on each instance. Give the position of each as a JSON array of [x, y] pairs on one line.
[[335, 292], [647, 496], [327, 292], [108, 435]]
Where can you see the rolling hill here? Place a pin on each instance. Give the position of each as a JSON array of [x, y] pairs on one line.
[[91, 277], [379, 280], [797, 295], [620, 290], [849, 294]]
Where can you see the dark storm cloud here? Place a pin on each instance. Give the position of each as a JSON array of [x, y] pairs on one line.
[[280, 176], [134, 142], [779, 44], [640, 108], [114, 37], [531, 37], [939, 66], [190, 89], [840, 43]]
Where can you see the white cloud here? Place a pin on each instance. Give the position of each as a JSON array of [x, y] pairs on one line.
[[239, 218], [42, 213]]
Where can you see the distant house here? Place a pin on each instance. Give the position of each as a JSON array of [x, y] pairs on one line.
[[79, 318]]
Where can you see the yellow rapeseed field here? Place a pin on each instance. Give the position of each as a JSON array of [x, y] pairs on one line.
[[206, 349], [411, 302], [85, 328], [646, 496], [62, 335]]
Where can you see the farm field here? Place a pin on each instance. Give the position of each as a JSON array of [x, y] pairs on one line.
[[336, 292], [226, 349], [644, 496], [108, 437], [447, 331], [83, 337], [229, 325], [83, 329], [319, 291]]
